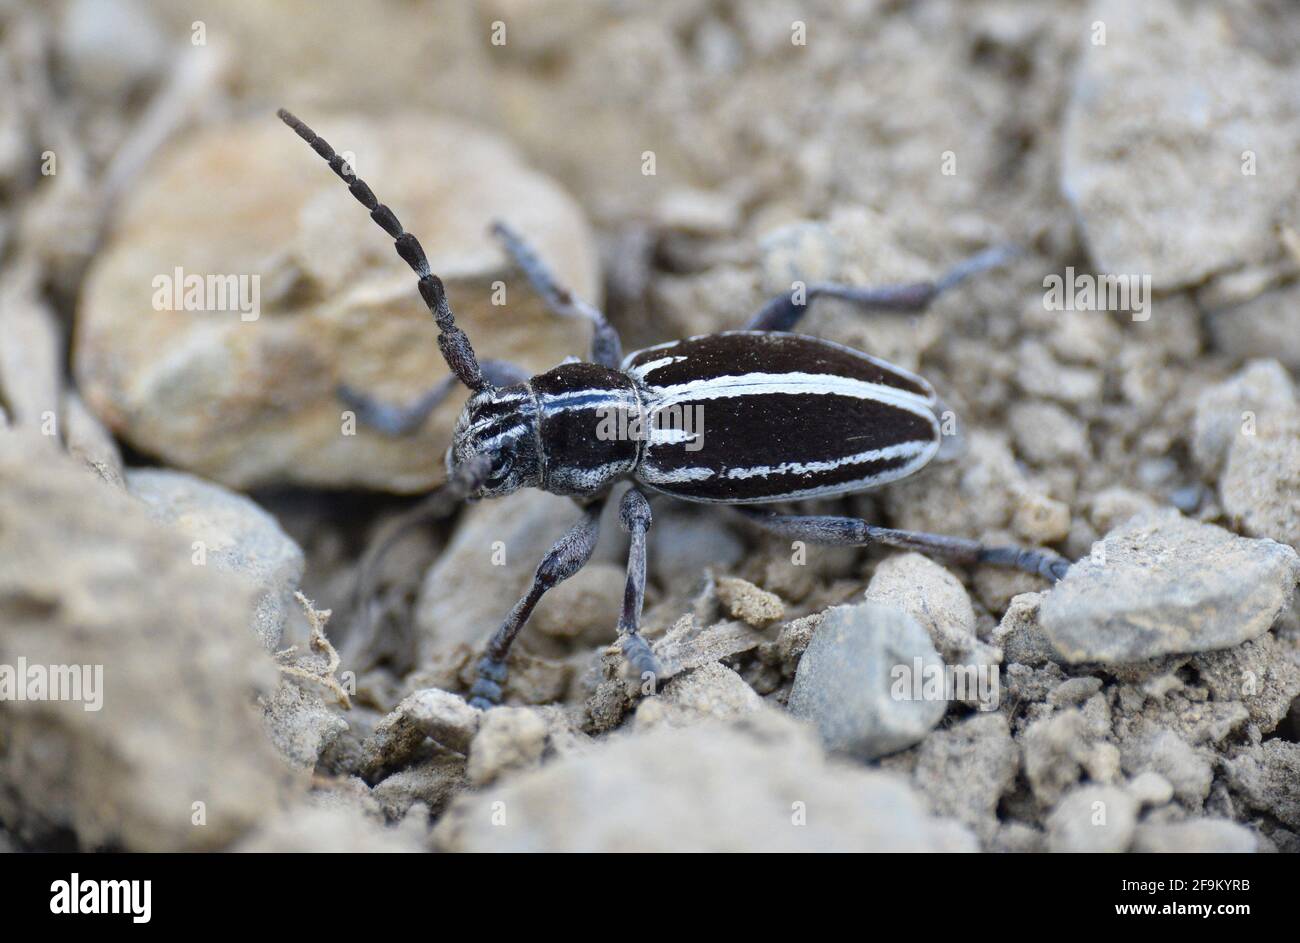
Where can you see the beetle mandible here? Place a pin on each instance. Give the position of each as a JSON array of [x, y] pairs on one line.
[[789, 416]]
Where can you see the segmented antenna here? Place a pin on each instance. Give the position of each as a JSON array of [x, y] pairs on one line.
[[452, 341]]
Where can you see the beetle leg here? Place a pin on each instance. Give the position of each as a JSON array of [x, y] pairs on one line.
[[783, 312], [606, 348], [569, 555], [853, 532], [395, 420], [634, 515]]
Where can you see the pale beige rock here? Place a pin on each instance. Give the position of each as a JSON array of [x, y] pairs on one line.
[[761, 783], [249, 402], [89, 579]]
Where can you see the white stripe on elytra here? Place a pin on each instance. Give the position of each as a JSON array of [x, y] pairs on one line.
[[652, 475], [662, 481], [761, 384], [641, 371], [899, 450]]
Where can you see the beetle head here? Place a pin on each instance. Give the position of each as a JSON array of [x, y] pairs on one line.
[[497, 431]]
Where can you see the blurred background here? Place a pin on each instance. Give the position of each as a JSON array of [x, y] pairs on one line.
[[678, 163]]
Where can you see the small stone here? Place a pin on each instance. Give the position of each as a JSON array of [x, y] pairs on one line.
[[1255, 398], [1073, 691], [1057, 750], [1268, 778], [1195, 836], [964, 770], [433, 782], [868, 681], [748, 603], [509, 738], [1114, 506], [1162, 584], [711, 691], [1260, 487], [428, 713], [794, 638], [1151, 789], [1046, 434], [932, 596], [1092, 819], [232, 533], [1163, 752], [1040, 519], [300, 724], [1021, 636]]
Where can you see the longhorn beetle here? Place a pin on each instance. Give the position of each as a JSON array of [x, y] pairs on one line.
[[789, 416]]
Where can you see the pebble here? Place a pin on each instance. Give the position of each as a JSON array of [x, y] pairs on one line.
[[1162, 584], [1165, 753], [1151, 789], [1092, 819], [964, 770], [847, 680], [711, 691], [508, 738], [748, 603]]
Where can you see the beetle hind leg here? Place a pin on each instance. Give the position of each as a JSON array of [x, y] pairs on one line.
[[784, 311], [854, 532], [606, 347]]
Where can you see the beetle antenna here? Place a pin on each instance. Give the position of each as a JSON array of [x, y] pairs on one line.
[[452, 341]]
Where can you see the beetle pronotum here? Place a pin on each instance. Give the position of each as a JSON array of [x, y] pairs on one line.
[[788, 416]]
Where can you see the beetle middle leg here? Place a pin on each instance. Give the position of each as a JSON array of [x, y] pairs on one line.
[[393, 419], [854, 532], [635, 517], [783, 312], [606, 348], [569, 555]]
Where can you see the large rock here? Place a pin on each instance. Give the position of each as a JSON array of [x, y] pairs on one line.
[[760, 785], [1161, 584], [250, 402], [1156, 136], [235, 535], [849, 681], [176, 757]]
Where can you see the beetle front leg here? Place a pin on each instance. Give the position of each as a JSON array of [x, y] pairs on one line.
[[783, 312], [635, 517], [854, 532], [606, 347], [569, 555]]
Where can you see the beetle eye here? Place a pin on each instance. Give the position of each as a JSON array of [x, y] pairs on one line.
[[499, 472]]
